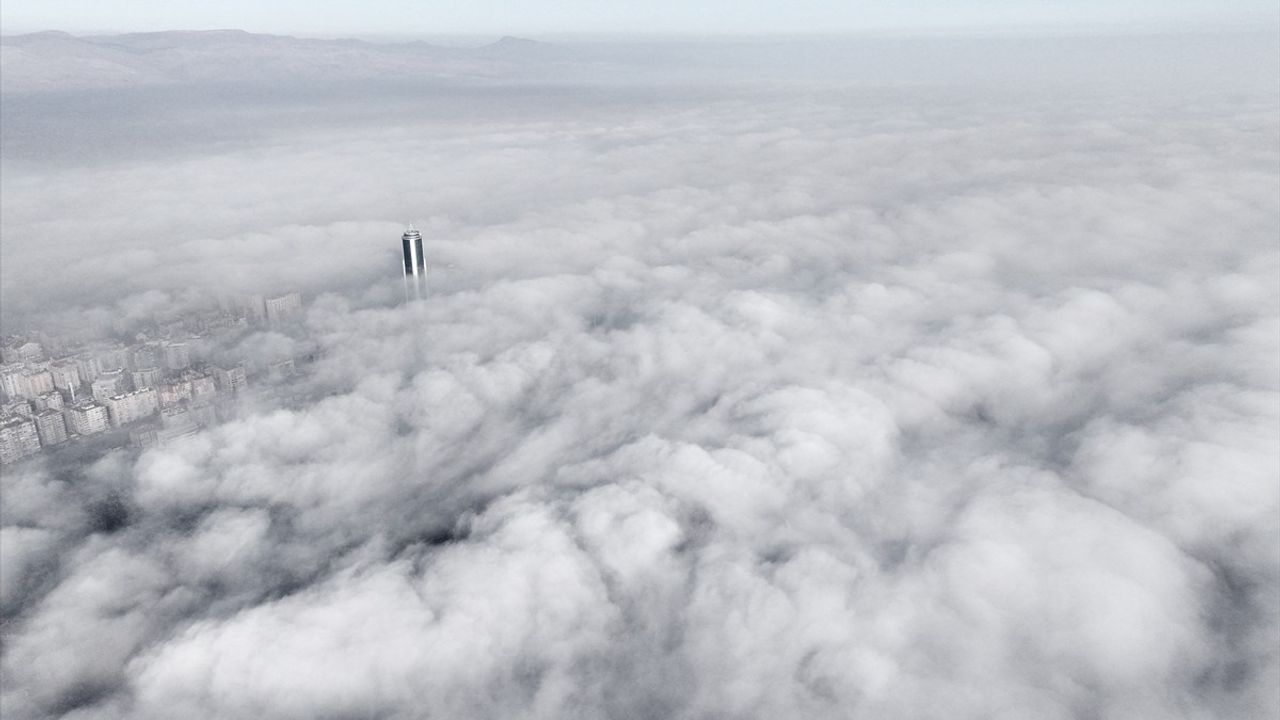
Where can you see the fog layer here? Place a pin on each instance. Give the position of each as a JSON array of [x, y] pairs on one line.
[[928, 398]]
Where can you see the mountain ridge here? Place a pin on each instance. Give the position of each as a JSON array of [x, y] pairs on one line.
[[51, 60]]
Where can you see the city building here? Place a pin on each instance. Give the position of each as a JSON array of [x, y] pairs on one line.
[[174, 392], [177, 356], [66, 375], [144, 437], [11, 379], [51, 427], [167, 435], [203, 415], [106, 385], [146, 356], [88, 367], [18, 439], [251, 308], [112, 358], [34, 383], [175, 423], [48, 401], [203, 386], [133, 406], [231, 380], [283, 308], [17, 407], [88, 418], [281, 369], [175, 416], [31, 352], [147, 377], [415, 264]]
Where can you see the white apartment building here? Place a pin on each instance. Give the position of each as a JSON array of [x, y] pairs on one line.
[[147, 377], [106, 385], [88, 367], [35, 383], [11, 379], [131, 407], [51, 427], [88, 418], [66, 375], [232, 379], [18, 439], [48, 401]]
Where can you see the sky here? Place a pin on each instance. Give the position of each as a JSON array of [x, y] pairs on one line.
[[895, 380], [709, 17]]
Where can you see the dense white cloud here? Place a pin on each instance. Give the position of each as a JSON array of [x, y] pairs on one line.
[[825, 403]]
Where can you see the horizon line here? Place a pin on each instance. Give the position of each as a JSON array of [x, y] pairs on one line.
[[1244, 25]]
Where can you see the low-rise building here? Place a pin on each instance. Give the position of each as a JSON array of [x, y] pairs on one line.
[[175, 423], [144, 436], [167, 435]]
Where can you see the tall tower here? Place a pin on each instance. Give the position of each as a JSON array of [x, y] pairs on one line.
[[415, 265]]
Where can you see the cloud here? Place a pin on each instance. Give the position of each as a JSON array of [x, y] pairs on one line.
[[773, 404]]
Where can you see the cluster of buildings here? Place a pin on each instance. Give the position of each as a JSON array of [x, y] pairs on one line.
[[158, 389]]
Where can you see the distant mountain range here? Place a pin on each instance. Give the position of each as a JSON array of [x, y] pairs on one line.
[[57, 61]]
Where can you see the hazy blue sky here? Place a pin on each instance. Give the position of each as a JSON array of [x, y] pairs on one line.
[[409, 17]]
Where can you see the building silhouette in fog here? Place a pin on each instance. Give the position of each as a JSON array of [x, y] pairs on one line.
[[415, 265], [283, 308]]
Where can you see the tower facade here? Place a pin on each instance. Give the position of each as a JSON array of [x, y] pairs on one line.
[[415, 265]]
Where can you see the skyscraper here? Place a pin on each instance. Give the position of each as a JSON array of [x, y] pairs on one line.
[[415, 265]]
